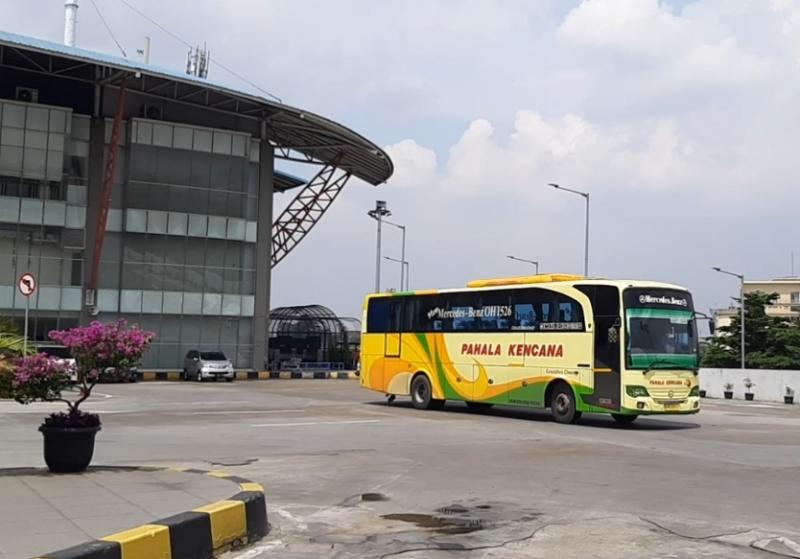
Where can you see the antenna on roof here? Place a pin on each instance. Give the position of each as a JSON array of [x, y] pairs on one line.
[[197, 61], [70, 20], [145, 52]]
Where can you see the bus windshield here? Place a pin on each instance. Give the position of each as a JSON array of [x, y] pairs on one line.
[[661, 331]]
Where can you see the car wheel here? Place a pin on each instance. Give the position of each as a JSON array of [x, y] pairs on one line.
[[562, 406], [623, 420], [185, 375], [198, 376]]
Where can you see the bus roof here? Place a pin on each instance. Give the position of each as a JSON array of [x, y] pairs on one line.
[[568, 280]]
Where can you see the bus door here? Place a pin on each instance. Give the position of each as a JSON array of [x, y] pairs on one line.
[[607, 335], [393, 339]]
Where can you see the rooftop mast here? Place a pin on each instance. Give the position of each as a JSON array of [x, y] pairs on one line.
[[70, 20]]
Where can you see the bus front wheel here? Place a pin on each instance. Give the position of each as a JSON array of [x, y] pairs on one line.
[[422, 394], [562, 406], [624, 419]]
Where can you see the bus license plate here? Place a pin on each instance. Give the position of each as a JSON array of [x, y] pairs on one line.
[[672, 406]]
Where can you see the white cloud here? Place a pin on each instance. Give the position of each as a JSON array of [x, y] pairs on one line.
[[682, 52], [651, 156], [414, 165], [630, 27]]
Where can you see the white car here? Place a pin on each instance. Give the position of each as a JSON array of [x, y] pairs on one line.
[[202, 365], [62, 354]]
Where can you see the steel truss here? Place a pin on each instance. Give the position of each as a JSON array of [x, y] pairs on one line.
[[307, 209]]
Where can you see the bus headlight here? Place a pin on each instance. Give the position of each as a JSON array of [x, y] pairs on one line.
[[637, 391], [695, 391]]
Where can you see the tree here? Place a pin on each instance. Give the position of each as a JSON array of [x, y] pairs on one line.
[[11, 345], [770, 342]]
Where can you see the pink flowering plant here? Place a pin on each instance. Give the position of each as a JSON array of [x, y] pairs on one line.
[[96, 347], [39, 377]]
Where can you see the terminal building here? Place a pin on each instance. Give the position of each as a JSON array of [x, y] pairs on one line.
[[138, 192], [787, 305]]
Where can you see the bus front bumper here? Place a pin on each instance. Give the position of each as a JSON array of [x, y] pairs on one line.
[[651, 406]]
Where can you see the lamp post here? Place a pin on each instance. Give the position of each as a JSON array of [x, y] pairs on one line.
[[402, 252], [741, 301], [534, 262], [404, 266], [378, 214], [586, 239]]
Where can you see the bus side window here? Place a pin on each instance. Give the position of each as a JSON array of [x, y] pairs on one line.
[[378, 315], [410, 311], [395, 315], [425, 314]]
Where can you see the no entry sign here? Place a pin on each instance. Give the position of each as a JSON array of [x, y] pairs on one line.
[[27, 284]]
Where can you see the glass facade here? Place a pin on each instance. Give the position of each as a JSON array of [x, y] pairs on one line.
[[39, 230], [179, 255]]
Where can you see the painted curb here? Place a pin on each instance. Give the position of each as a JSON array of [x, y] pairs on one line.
[[175, 376], [201, 533]]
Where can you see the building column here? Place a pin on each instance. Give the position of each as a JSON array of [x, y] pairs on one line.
[[94, 195], [266, 188]]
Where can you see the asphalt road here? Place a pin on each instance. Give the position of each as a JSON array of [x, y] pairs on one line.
[[348, 476]]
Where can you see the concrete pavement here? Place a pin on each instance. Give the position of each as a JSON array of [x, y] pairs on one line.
[[43, 512], [348, 476]]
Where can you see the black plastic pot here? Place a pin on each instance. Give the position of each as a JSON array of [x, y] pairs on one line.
[[729, 395], [788, 399], [748, 396], [68, 450], [702, 393]]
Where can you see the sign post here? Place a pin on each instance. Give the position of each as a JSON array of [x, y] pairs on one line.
[[26, 286]]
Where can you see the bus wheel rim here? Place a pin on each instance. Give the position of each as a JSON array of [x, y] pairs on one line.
[[562, 403]]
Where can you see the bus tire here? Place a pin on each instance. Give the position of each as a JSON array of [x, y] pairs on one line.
[[623, 420], [479, 406], [562, 405], [422, 394]]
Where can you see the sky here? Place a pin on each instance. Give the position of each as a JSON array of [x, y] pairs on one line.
[[680, 118]]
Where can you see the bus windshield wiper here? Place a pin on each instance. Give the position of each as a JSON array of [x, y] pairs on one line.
[[659, 362]]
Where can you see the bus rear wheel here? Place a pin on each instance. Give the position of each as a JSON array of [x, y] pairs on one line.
[[562, 406], [422, 394], [622, 419]]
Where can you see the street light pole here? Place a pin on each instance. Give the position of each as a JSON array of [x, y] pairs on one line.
[[402, 252], [378, 214], [534, 262], [741, 304], [404, 266], [586, 229]]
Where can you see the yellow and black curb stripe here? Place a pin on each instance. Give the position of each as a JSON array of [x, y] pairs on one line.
[[201, 533], [255, 375]]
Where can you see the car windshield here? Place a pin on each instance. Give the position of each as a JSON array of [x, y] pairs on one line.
[[213, 356], [57, 352], [661, 338]]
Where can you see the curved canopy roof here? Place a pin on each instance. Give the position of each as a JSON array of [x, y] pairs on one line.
[[290, 129]]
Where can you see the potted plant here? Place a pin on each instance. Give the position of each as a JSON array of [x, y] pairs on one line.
[[728, 390], [748, 393], [69, 437], [788, 398]]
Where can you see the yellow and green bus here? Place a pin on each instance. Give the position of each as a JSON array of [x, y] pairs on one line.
[[554, 341]]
